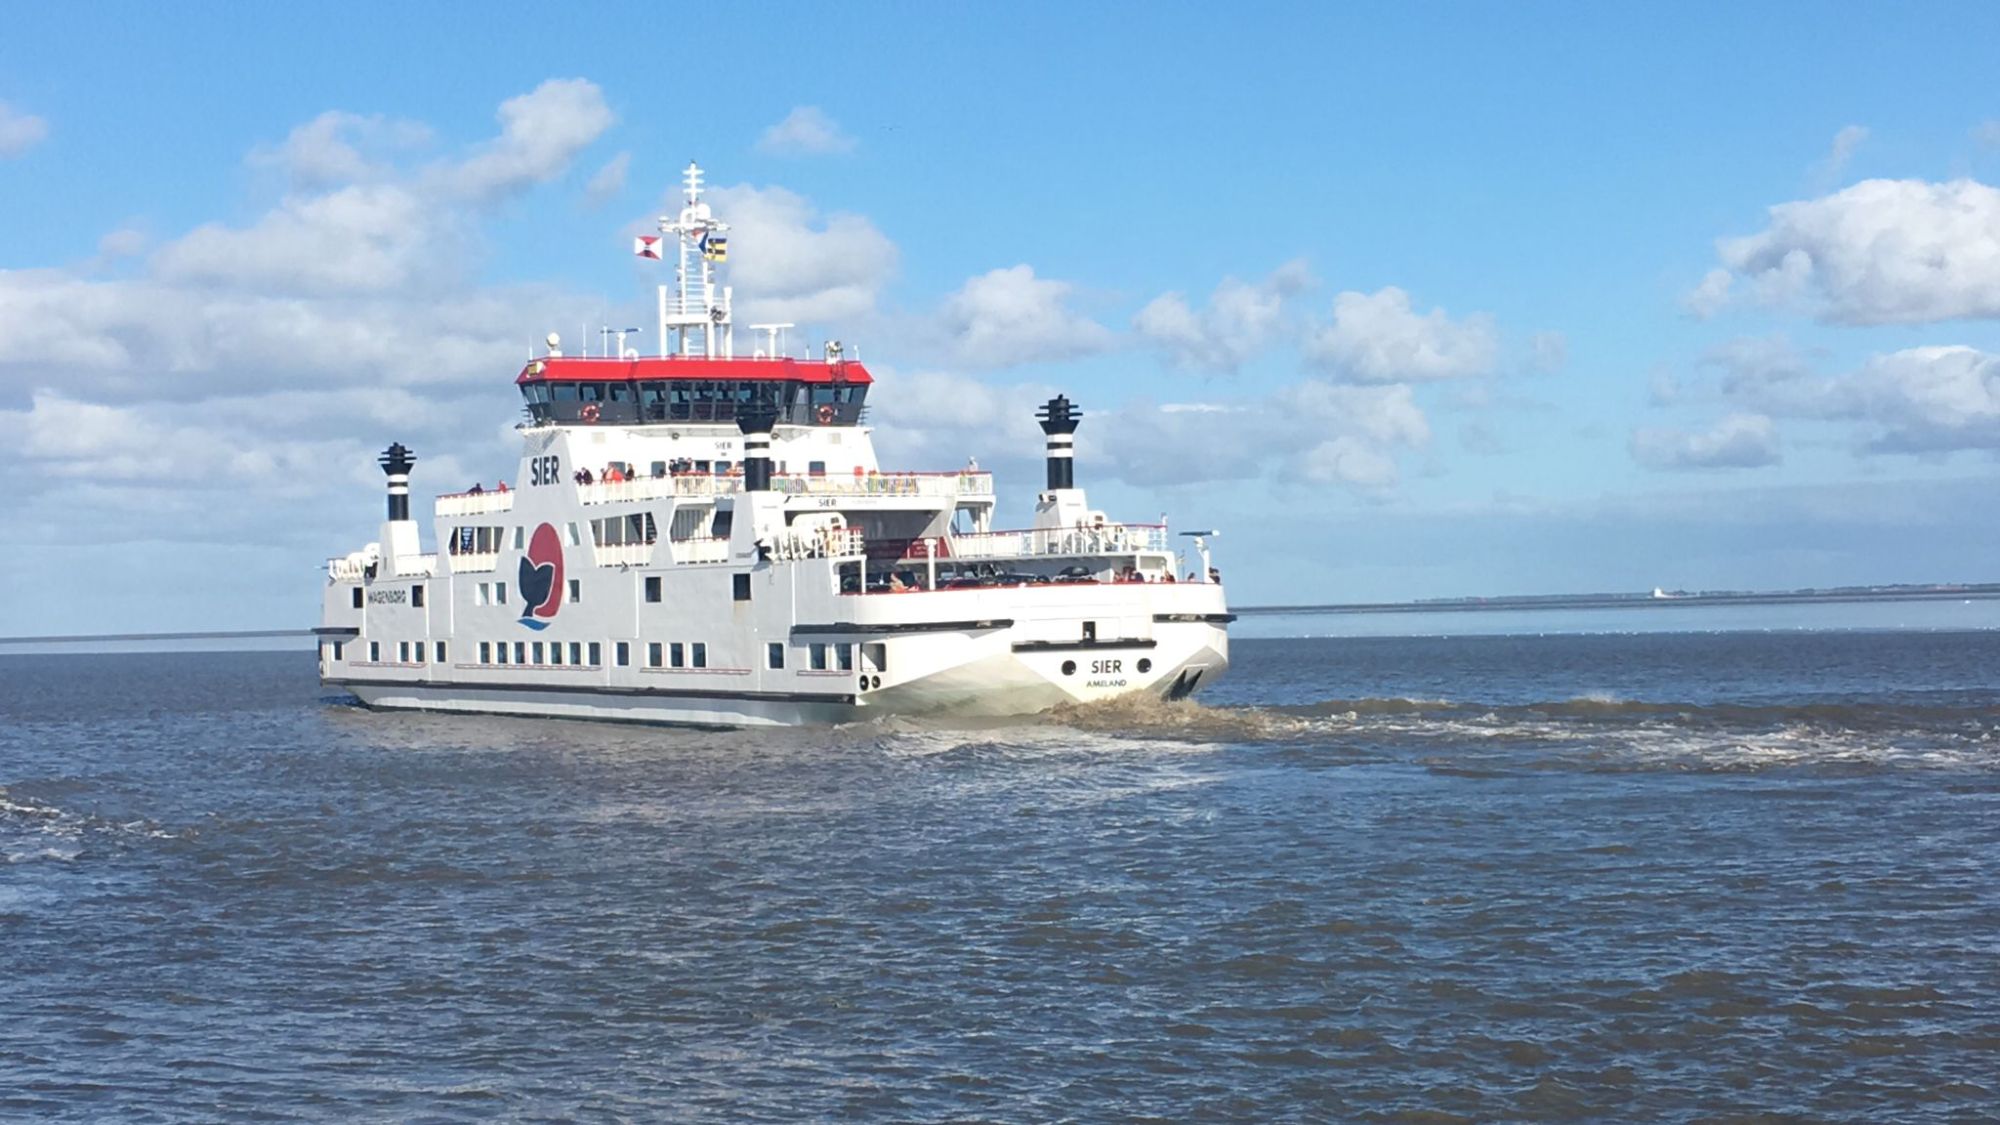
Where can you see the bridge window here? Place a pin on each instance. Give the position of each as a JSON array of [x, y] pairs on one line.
[[564, 392], [590, 392]]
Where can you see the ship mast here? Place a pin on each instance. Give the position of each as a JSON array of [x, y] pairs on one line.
[[700, 323]]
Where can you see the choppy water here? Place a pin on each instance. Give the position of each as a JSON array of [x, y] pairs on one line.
[[1722, 877]]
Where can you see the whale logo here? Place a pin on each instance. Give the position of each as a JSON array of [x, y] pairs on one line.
[[541, 578]]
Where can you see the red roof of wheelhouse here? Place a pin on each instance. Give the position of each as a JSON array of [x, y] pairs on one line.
[[604, 369]]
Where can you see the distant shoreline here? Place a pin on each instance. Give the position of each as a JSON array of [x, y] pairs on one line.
[[1980, 592], [1987, 591]]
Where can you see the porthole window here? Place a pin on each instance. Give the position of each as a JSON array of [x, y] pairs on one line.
[[1069, 667], [1145, 665]]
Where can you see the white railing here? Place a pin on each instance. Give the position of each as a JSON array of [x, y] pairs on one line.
[[708, 550], [624, 554], [790, 484], [469, 562], [346, 569], [474, 503], [1092, 539], [356, 569], [823, 543], [885, 484]]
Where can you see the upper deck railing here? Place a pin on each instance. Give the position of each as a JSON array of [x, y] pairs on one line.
[[1042, 542], [931, 485], [474, 503]]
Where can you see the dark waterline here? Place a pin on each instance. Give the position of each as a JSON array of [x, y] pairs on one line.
[[1686, 877]]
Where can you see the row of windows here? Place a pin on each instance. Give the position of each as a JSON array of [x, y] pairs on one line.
[[820, 656], [552, 653], [407, 652]]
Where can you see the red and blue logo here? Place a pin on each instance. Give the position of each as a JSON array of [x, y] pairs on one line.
[[541, 578]]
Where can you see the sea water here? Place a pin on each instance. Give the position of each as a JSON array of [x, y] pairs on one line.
[[1722, 876]]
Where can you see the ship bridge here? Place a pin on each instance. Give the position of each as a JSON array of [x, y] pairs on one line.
[[606, 390]]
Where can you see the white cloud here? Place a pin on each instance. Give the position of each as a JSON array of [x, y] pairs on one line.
[[806, 131], [1927, 399], [1240, 320], [1842, 151], [1917, 400], [1707, 298], [19, 131], [541, 134], [793, 265], [363, 238], [609, 180], [1317, 431], [339, 148], [1009, 316], [1738, 441], [1378, 338], [1880, 252]]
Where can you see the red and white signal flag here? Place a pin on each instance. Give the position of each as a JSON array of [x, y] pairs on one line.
[[647, 246]]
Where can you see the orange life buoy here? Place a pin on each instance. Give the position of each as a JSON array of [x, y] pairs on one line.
[[825, 415], [590, 412]]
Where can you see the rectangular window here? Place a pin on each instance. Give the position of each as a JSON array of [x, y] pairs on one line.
[[843, 655], [653, 588], [742, 582], [402, 652], [499, 593], [575, 591], [519, 534], [653, 655], [501, 652], [486, 652], [555, 653], [576, 652], [416, 597], [520, 652], [538, 653], [374, 652], [574, 539], [816, 468], [357, 597], [596, 654], [875, 657], [480, 593], [677, 655], [700, 654], [816, 654], [624, 652], [440, 653], [420, 652], [338, 647]]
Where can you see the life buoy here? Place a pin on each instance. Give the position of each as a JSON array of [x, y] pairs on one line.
[[589, 412], [824, 414]]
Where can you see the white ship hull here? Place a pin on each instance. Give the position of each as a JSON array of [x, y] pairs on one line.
[[986, 681]]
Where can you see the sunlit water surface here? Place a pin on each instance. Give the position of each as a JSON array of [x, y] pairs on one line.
[[1703, 876]]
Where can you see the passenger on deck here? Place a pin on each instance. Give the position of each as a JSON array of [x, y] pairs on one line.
[[475, 490], [587, 478], [501, 487]]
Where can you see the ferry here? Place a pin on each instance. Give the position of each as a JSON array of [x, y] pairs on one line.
[[697, 538]]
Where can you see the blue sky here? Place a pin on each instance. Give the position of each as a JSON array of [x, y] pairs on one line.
[[1415, 302]]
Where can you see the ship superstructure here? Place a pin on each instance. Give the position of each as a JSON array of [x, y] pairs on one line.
[[700, 538]]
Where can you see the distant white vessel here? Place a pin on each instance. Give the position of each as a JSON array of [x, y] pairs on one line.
[[699, 538]]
